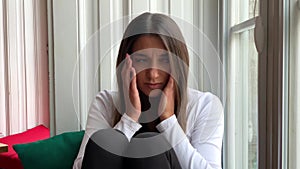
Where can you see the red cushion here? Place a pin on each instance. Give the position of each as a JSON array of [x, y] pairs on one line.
[[10, 159]]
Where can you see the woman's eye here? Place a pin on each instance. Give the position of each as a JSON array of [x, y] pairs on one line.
[[140, 60], [164, 60]]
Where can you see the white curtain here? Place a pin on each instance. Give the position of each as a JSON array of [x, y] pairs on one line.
[[23, 65]]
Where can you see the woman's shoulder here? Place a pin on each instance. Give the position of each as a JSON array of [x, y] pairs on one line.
[[196, 96], [106, 93], [107, 97], [202, 102], [203, 105]]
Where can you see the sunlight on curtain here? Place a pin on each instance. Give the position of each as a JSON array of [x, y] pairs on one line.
[[23, 65]]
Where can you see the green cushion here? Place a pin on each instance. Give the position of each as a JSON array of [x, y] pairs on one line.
[[56, 152]]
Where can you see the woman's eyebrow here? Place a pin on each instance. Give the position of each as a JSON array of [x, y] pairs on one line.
[[165, 54], [139, 55]]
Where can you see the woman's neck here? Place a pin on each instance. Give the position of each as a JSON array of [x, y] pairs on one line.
[[149, 102], [149, 106]]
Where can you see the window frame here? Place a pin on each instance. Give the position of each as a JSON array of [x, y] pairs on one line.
[[270, 86], [291, 73]]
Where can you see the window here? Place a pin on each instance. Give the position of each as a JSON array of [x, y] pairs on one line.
[[241, 135], [292, 87]]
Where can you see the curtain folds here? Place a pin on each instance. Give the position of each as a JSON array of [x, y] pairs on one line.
[[23, 65]]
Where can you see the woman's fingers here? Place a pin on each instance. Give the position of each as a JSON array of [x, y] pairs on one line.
[[126, 71], [134, 93], [133, 81], [169, 89], [170, 85], [132, 100], [167, 101]]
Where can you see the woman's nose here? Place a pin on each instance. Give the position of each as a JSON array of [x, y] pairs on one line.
[[153, 73]]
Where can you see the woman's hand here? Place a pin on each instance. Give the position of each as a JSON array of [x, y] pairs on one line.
[[167, 101], [131, 93]]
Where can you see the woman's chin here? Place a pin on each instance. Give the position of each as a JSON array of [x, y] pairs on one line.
[[155, 93]]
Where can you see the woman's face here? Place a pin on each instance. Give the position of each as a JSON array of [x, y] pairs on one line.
[[151, 62]]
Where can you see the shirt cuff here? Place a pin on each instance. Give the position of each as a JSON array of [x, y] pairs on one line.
[[164, 125], [172, 131], [127, 126]]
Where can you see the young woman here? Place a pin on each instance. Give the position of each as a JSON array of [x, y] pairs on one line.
[[154, 120]]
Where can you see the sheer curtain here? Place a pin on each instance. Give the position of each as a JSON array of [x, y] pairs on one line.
[[23, 65], [294, 86]]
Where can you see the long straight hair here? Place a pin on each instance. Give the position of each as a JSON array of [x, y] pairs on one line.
[[168, 31]]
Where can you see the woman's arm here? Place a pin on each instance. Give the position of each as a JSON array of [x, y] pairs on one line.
[[100, 117], [97, 119], [203, 149]]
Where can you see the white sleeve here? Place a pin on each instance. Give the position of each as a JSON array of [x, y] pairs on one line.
[[203, 150], [99, 117], [127, 126]]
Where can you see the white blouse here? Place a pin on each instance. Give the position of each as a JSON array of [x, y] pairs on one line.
[[198, 148]]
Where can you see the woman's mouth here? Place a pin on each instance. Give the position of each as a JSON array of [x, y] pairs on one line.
[[154, 85]]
